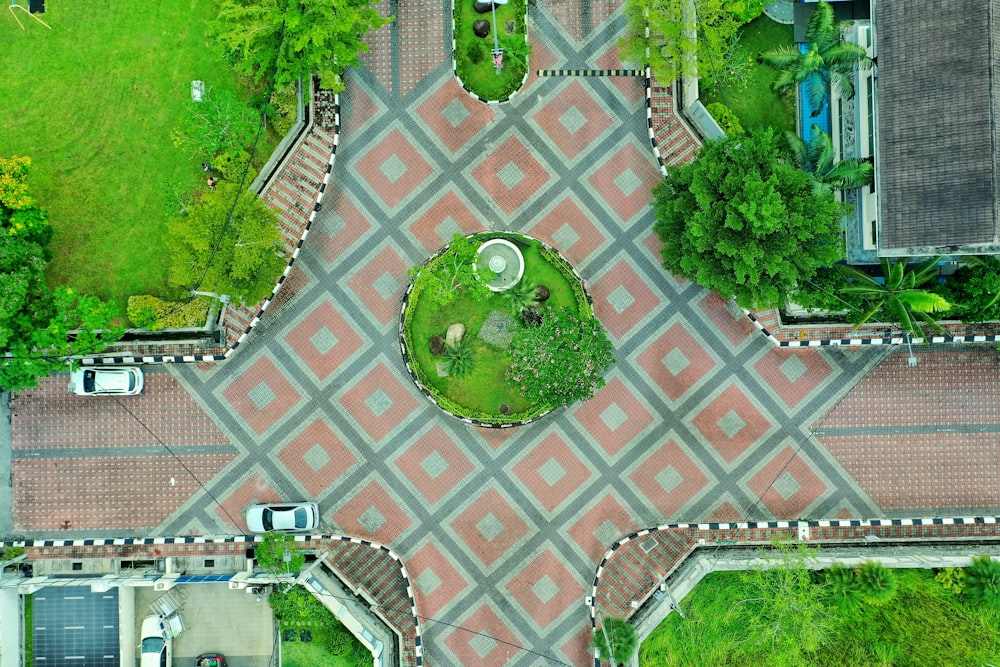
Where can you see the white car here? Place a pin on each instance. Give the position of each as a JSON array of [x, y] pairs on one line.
[[106, 381], [157, 647], [283, 517]]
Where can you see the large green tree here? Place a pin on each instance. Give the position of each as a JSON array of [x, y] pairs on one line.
[[219, 247], [41, 331], [686, 37], [280, 41], [743, 222], [829, 61]]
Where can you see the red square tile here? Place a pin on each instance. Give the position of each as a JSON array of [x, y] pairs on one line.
[[787, 485], [490, 526], [473, 642], [434, 464], [793, 374], [261, 395], [552, 471], [380, 283], [324, 340], [545, 589], [435, 580], [374, 514], [393, 168], [510, 175], [316, 457], [601, 526], [445, 217], [614, 417], [731, 423], [379, 402], [573, 119], [622, 299], [625, 181], [570, 230], [668, 478], [676, 362], [454, 116]]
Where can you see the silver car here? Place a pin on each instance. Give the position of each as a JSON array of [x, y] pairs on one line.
[[282, 517], [157, 646], [106, 381]]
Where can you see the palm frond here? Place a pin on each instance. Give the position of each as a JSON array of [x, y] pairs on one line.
[[926, 271], [821, 151], [799, 150], [843, 83], [822, 24], [922, 301], [816, 92], [868, 315], [846, 57], [850, 174], [780, 58]]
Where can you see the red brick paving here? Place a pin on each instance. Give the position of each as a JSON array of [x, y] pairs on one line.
[[544, 612], [384, 308], [736, 327], [792, 393], [490, 550], [573, 96], [379, 426], [607, 509], [394, 145], [316, 480], [568, 213], [483, 621], [435, 441], [552, 448], [448, 207], [454, 137], [322, 364], [787, 462], [262, 372], [626, 205], [254, 490], [621, 275], [700, 362], [661, 458], [375, 496], [510, 152], [732, 447], [353, 226], [430, 558], [614, 393]]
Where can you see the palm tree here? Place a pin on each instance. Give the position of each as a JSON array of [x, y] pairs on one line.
[[900, 297], [829, 61], [817, 157]]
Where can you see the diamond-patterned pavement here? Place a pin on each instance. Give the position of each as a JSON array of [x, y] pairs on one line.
[[501, 529]]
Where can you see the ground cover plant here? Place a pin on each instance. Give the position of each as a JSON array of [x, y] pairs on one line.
[[926, 619], [310, 635], [747, 91], [473, 55], [498, 326], [94, 102]]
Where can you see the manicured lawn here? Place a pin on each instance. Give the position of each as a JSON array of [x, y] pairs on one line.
[[478, 73], [315, 654], [756, 104], [93, 102], [925, 624], [485, 388]]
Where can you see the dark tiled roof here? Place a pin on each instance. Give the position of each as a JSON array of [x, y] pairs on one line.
[[937, 137]]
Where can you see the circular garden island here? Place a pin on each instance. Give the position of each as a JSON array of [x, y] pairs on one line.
[[497, 329]]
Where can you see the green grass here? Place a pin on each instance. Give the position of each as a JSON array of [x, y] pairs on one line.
[[93, 102], [314, 653], [29, 625], [755, 104], [485, 388], [925, 624], [481, 77]]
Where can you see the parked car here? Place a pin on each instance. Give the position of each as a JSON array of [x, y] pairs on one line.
[[210, 660], [157, 646], [282, 517], [106, 381]]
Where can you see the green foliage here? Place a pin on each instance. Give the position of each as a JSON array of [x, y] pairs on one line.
[[982, 580], [297, 606], [742, 222], [724, 116], [459, 359], [745, 10], [843, 588], [818, 158], [10, 553], [451, 273], [220, 123], [474, 64], [516, 50], [284, 108], [154, 313], [823, 292], [562, 360], [901, 297], [520, 296], [241, 257], [682, 43], [476, 51], [274, 41], [974, 289], [339, 641], [876, 583], [830, 61], [616, 637], [952, 579], [270, 554]]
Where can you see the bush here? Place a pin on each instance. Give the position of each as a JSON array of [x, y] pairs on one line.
[[616, 637], [458, 359], [725, 117], [951, 578], [153, 313], [982, 580], [476, 51], [221, 122], [876, 583], [974, 289], [745, 10], [339, 642], [521, 296], [283, 108], [297, 606], [845, 592]]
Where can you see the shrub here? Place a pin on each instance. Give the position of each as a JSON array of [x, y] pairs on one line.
[[271, 551], [876, 583], [982, 580], [153, 313], [436, 345], [297, 606], [283, 108], [520, 296], [616, 637], [745, 10], [974, 289], [951, 578], [339, 641], [220, 122], [476, 51], [845, 591], [458, 359], [725, 117]]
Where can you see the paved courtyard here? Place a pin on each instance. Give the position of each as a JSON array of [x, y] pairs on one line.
[[501, 531]]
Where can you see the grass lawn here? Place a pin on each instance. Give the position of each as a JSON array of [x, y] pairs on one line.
[[475, 68], [486, 387], [756, 104], [93, 102], [924, 624], [315, 654], [29, 627]]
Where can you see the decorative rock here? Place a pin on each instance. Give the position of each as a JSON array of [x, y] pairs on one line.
[[436, 345], [542, 293], [504, 409], [482, 6], [481, 28], [455, 334], [510, 27], [441, 370]]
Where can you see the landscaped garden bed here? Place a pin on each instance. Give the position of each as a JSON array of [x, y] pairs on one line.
[[473, 54], [839, 617], [311, 636], [477, 353]]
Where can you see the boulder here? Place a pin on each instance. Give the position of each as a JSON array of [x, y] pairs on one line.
[[455, 334], [542, 293], [482, 6], [481, 28]]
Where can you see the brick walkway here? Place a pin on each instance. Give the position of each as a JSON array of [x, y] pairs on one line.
[[702, 418]]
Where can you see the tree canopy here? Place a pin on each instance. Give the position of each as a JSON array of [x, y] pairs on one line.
[[743, 222], [36, 322], [280, 41], [242, 251]]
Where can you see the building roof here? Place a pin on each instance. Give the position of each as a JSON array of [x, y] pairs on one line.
[[937, 98]]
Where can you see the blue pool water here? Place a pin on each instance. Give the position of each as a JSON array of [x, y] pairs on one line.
[[805, 120]]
